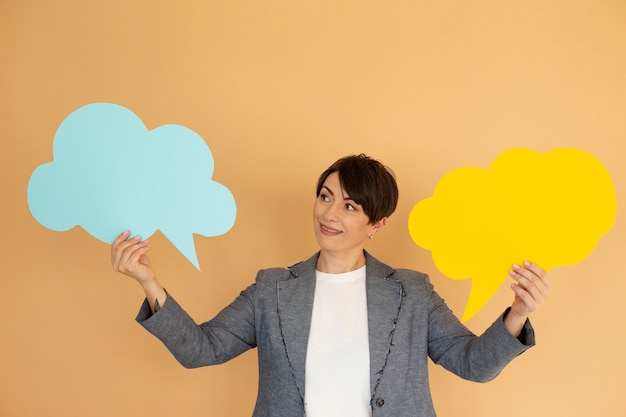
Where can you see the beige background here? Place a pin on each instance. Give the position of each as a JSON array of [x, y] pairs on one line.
[[279, 90]]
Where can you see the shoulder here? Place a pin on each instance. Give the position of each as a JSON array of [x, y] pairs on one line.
[[297, 270], [412, 280], [403, 275], [273, 275], [409, 275]]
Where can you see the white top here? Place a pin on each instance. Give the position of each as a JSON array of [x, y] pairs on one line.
[[337, 379]]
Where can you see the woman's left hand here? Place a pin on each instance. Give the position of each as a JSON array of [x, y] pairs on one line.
[[531, 290]]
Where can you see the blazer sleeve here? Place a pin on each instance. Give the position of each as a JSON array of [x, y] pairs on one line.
[[476, 358], [224, 337]]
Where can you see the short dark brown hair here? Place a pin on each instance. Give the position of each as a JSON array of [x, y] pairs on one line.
[[368, 182]]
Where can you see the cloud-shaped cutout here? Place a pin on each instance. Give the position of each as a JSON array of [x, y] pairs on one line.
[[110, 174], [551, 209]]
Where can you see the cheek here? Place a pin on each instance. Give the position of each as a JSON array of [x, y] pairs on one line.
[[318, 210], [315, 209], [366, 227]]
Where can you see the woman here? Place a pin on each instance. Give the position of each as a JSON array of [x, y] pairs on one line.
[[340, 334]]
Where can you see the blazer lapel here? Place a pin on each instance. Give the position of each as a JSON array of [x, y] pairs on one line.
[[295, 307], [384, 298]]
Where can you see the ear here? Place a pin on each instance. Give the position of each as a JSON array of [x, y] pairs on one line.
[[376, 227]]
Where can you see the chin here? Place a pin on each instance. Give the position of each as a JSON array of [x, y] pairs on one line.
[[324, 244]]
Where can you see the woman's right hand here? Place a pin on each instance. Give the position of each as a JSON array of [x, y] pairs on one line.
[[128, 256]]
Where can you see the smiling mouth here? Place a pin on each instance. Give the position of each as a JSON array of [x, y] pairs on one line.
[[329, 230]]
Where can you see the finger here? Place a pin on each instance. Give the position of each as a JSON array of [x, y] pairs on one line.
[[135, 262], [115, 246], [528, 293], [530, 304], [131, 254], [530, 281], [120, 246], [522, 276], [536, 269], [124, 250], [121, 237], [538, 277], [542, 275]]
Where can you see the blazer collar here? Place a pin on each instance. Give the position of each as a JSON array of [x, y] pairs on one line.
[[375, 268], [295, 306]]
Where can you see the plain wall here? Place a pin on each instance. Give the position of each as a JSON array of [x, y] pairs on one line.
[[279, 90]]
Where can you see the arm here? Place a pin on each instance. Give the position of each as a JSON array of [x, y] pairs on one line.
[[476, 358], [128, 256], [229, 334], [453, 346], [226, 336]]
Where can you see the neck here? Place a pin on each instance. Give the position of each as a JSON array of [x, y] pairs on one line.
[[338, 264]]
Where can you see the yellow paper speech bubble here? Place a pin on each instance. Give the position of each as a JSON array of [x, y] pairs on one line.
[[550, 209]]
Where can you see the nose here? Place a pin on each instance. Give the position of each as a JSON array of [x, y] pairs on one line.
[[332, 213]]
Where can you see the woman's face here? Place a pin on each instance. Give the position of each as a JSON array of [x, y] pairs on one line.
[[341, 226]]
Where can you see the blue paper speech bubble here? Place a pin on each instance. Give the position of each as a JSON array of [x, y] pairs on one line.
[[110, 174]]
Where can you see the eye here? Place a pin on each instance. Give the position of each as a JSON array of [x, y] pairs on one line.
[[351, 207], [324, 197]]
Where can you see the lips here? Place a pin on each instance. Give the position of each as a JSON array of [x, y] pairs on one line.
[[329, 231]]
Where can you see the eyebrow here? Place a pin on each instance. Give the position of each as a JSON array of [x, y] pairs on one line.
[[346, 198]]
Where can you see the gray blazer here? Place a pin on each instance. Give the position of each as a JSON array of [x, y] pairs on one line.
[[408, 322]]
